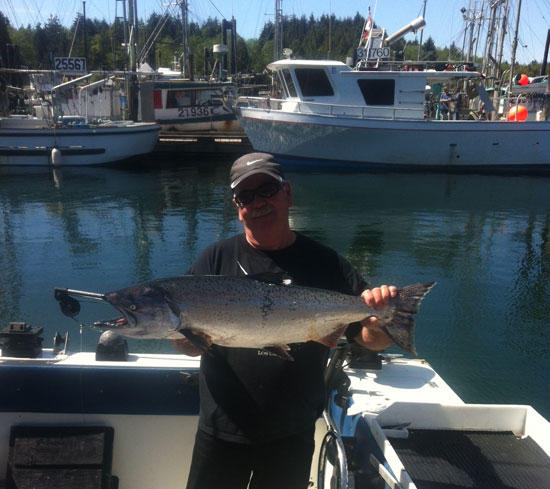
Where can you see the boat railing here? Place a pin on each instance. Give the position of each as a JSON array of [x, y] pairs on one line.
[[386, 112]]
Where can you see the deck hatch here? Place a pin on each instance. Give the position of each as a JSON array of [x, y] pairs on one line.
[[438, 459], [64, 457]]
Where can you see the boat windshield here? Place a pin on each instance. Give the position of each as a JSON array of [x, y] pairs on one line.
[[290, 88]]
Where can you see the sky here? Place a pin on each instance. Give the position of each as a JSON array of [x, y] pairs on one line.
[[443, 17]]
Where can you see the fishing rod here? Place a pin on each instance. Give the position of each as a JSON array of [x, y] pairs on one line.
[[69, 305]]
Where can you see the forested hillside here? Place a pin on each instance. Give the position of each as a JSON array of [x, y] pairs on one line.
[[314, 37]]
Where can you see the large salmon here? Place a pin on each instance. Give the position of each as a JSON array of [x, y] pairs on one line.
[[243, 312]]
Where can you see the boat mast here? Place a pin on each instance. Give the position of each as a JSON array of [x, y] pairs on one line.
[[545, 56], [498, 67], [185, 65], [501, 41], [85, 31], [422, 31], [472, 25], [132, 37], [278, 34], [489, 60], [514, 48]]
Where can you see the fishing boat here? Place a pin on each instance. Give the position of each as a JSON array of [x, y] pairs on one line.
[[182, 103], [61, 127], [118, 419], [372, 111], [184, 106]]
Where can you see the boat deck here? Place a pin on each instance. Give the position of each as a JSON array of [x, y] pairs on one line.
[[440, 459], [426, 437], [400, 379]]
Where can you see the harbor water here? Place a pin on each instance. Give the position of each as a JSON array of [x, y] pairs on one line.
[[484, 239]]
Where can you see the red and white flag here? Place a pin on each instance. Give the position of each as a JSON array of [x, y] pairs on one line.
[[367, 28]]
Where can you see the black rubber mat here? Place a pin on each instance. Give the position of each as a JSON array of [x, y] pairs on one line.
[[473, 459]]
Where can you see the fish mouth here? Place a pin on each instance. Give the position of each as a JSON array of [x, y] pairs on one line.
[[117, 323]]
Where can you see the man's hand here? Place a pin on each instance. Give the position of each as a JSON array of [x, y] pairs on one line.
[[184, 346], [379, 297], [371, 336]]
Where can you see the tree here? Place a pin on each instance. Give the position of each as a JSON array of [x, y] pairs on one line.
[[308, 37], [429, 52], [5, 43], [50, 41]]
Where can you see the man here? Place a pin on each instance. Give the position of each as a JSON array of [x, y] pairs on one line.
[[258, 411], [458, 103], [444, 104]]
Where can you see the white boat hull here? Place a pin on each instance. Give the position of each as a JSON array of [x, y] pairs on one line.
[[420, 144], [20, 146]]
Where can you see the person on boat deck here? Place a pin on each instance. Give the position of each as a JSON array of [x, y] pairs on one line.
[[258, 410], [444, 104], [457, 98]]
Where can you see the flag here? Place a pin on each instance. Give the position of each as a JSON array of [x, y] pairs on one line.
[[367, 28]]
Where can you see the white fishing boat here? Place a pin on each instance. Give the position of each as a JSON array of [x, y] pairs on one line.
[[31, 141], [62, 128], [329, 111], [379, 113], [113, 419]]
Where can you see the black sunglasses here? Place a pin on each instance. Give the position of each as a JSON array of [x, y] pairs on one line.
[[265, 191]]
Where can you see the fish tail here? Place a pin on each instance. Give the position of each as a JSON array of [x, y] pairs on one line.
[[401, 327]]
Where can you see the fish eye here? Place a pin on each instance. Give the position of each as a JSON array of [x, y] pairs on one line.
[[132, 307]]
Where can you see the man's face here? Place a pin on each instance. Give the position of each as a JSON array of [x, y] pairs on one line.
[[264, 215]]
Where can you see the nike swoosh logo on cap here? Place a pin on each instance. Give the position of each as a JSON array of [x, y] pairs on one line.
[[248, 163]]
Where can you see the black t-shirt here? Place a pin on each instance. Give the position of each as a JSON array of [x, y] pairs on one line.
[[249, 395]]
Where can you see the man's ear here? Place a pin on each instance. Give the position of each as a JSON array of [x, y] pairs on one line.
[[238, 210]]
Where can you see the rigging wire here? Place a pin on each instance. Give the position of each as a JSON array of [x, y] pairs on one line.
[[13, 14], [213, 5]]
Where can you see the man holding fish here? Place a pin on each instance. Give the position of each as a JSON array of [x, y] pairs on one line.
[[259, 405]]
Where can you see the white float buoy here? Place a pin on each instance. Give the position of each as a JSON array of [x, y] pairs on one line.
[[56, 157]]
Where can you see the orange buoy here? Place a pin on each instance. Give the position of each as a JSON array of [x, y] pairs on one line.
[[523, 80], [518, 113]]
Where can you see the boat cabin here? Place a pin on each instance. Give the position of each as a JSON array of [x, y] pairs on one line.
[[187, 106], [333, 88]]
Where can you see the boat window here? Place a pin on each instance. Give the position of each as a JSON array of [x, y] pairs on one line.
[[289, 83], [202, 97], [179, 98], [314, 82], [279, 88], [378, 92]]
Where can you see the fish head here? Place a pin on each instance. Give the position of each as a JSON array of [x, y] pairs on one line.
[[147, 313]]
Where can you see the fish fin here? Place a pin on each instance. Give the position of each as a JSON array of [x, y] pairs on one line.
[[401, 327], [276, 278], [280, 351], [332, 339], [195, 340]]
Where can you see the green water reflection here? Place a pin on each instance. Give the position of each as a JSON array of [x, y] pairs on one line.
[[484, 239]]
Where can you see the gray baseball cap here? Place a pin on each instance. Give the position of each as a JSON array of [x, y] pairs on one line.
[[253, 163]]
